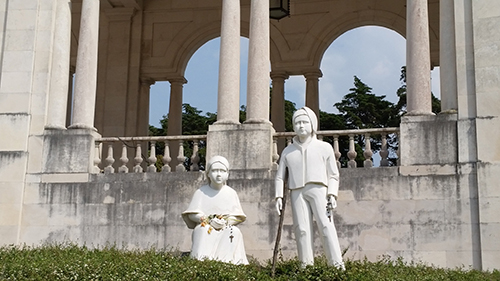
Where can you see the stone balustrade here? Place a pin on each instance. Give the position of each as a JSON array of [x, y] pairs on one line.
[[352, 137], [145, 151], [146, 159]]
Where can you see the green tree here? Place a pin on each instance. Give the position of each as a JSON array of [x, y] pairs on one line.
[[401, 92], [290, 108], [361, 109]]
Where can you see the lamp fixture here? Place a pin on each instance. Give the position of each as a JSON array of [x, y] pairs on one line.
[[279, 9]]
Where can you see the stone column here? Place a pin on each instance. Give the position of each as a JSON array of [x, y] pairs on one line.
[[418, 76], [249, 145], [258, 63], [312, 90], [175, 108], [228, 100], [447, 56], [58, 93], [143, 108], [175, 116], [69, 102], [86, 67], [278, 105], [278, 101]]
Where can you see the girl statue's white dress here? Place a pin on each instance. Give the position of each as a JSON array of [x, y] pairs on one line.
[[213, 214]]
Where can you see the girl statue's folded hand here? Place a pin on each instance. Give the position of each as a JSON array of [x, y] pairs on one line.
[[217, 223]]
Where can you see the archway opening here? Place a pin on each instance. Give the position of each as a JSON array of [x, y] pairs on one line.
[[374, 54], [200, 91]]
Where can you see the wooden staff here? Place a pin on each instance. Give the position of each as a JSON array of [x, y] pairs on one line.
[[278, 235]]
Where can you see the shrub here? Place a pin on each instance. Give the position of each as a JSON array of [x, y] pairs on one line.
[[72, 262]]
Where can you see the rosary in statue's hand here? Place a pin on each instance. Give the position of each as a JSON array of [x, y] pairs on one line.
[[333, 200]]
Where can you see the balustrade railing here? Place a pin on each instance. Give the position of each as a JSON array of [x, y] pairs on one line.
[[350, 147], [106, 146], [351, 140]]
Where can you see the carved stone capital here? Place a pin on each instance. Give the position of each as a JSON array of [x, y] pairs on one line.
[[279, 75]]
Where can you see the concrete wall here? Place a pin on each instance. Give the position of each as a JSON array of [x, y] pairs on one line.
[[380, 212]]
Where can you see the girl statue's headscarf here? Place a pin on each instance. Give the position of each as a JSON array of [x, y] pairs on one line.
[[213, 160]]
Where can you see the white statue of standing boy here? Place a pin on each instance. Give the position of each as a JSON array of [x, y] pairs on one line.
[[313, 180], [213, 214]]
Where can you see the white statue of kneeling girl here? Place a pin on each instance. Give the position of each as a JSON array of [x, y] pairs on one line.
[[213, 214]]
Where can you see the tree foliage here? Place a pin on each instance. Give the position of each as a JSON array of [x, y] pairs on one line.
[[401, 92], [362, 109]]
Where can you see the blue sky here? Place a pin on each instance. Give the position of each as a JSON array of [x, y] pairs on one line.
[[374, 54]]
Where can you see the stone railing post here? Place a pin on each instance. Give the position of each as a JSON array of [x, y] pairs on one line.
[[124, 159], [336, 149], [352, 153], [384, 152], [97, 158], [138, 159], [152, 157], [195, 158], [109, 160], [166, 159], [180, 159], [368, 163]]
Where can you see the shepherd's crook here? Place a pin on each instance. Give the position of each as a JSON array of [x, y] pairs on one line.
[[278, 235]]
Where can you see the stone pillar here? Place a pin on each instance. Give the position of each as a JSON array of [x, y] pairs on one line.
[[447, 56], [312, 90], [420, 121], [278, 105], [418, 75], [258, 63], [58, 92], [86, 67], [228, 100], [69, 102], [143, 108], [175, 116], [278, 101], [175, 108], [249, 145], [72, 151]]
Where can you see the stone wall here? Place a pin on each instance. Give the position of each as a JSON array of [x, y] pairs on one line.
[[26, 31], [380, 212]]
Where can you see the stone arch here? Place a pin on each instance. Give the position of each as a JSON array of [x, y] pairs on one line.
[[326, 29], [183, 47], [331, 32]]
